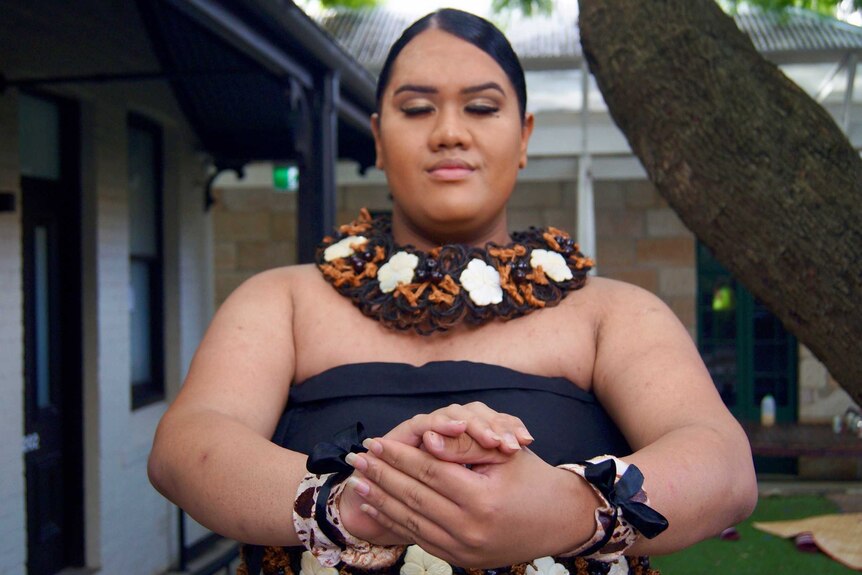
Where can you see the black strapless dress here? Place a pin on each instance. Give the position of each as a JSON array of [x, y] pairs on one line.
[[567, 423]]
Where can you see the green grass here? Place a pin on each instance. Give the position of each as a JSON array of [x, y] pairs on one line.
[[756, 552]]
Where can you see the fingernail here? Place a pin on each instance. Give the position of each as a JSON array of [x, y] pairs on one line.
[[458, 422], [356, 462], [359, 486], [435, 440], [510, 441], [373, 446], [493, 435], [525, 434]]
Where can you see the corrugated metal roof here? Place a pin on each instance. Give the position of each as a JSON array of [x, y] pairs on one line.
[[799, 31], [368, 34]]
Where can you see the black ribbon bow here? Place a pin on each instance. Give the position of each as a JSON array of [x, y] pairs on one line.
[[644, 518], [328, 456]]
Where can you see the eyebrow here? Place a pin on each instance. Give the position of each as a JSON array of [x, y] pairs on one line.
[[432, 90]]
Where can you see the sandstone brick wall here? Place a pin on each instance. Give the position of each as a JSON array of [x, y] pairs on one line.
[[253, 230], [639, 238]]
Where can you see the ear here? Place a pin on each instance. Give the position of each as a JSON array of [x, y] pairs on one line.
[[378, 147], [526, 132]]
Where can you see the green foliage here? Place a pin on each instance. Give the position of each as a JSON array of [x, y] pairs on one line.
[[349, 4], [526, 7]]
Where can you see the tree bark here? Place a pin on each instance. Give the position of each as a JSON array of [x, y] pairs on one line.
[[753, 166]]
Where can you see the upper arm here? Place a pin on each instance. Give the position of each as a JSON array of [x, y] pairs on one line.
[[648, 373], [245, 363]]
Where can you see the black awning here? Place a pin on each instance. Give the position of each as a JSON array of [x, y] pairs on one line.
[[240, 76]]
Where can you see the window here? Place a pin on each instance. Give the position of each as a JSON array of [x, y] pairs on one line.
[[145, 262], [748, 352]]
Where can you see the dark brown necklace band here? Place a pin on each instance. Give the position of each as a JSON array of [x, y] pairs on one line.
[[409, 289]]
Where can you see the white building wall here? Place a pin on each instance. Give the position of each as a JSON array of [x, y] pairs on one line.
[[137, 526], [13, 542], [129, 527]]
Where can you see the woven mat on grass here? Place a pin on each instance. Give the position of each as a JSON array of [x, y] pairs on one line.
[[837, 535]]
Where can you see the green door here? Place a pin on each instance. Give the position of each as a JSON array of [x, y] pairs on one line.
[[746, 349]]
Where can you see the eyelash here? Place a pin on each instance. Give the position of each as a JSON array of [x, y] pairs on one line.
[[483, 110], [478, 110], [417, 111]]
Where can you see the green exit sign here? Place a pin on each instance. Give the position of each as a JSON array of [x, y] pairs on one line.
[[285, 178]]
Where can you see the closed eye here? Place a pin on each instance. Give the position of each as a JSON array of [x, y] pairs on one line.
[[482, 109], [417, 110]]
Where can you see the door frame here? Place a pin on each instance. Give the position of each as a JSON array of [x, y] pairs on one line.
[[64, 197]]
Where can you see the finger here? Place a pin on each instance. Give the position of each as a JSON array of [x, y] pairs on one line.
[[398, 468], [358, 523], [509, 431], [406, 503], [462, 449], [431, 540], [411, 431]]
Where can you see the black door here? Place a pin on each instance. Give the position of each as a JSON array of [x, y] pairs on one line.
[[51, 237]]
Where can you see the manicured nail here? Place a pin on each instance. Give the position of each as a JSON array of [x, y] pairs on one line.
[[493, 435], [511, 442], [525, 434], [373, 446], [435, 440], [359, 486], [356, 462]]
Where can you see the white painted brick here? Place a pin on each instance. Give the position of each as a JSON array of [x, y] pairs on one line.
[[12, 512], [134, 532]]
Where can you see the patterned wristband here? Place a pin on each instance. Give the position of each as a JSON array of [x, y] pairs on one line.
[[305, 518], [624, 513], [317, 521]]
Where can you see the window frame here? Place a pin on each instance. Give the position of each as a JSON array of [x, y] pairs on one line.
[[145, 393]]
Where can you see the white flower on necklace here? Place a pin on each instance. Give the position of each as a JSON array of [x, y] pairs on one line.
[[553, 264], [343, 248], [482, 282], [311, 566], [545, 566], [619, 567], [417, 561], [398, 270]]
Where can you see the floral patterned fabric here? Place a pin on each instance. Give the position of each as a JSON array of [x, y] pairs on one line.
[[416, 561]]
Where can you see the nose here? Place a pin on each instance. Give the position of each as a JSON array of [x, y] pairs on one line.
[[449, 131]]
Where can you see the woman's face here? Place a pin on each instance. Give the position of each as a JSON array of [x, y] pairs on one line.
[[450, 139]]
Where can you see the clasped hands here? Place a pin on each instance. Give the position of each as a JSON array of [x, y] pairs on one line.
[[461, 483]]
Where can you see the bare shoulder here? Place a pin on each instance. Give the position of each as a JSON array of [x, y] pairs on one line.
[[246, 361], [616, 292], [273, 288]]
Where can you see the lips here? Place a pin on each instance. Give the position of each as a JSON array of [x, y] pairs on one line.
[[450, 169]]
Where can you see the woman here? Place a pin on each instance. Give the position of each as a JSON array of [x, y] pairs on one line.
[[593, 367]]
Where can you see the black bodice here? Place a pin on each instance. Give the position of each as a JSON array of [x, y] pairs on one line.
[[568, 423]]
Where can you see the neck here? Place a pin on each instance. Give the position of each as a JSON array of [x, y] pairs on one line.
[[404, 233]]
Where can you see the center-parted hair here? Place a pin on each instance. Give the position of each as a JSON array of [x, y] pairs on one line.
[[470, 28]]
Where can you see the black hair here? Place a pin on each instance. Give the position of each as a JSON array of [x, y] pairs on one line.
[[472, 29]]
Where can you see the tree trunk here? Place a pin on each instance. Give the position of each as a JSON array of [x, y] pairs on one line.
[[752, 165]]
